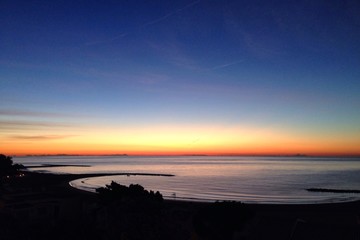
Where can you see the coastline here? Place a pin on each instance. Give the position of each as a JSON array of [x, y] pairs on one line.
[[63, 180], [270, 221]]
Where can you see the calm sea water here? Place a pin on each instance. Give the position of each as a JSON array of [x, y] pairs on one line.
[[204, 178]]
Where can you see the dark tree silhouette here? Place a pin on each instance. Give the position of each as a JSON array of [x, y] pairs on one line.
[[7, 167], [115, 191], [131, 200]]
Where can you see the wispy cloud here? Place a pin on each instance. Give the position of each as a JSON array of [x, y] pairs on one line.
[[152, 78], [175, 55], [29, 65], [110, 40], [19, 64], [39, 137], [227, 64], [160, 19], [30, 125], [248, 39], [25, 113], [147, 24]]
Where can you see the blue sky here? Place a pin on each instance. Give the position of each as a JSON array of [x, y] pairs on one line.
[[288, 66]]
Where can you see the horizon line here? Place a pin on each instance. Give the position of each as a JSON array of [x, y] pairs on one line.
[[190, 155]]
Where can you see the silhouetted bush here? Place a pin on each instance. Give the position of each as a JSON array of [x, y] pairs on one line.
[[115, 191], [7, 168]]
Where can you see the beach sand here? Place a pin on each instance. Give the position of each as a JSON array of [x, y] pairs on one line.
[[45, 206]]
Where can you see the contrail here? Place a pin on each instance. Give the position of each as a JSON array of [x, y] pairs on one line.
[[107, 40], [227, 65], [160, 19], [171, 14]]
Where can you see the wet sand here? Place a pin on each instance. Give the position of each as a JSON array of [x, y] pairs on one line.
[[45, 204]]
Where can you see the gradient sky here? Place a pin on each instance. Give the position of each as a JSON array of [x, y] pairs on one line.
[[180, 77]]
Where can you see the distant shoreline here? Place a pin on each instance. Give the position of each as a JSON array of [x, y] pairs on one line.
[[57, 165], [190, 155], [330, 190], [88, 175]]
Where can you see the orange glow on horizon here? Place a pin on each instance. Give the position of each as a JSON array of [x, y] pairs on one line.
[[195, 140], [107, 149]]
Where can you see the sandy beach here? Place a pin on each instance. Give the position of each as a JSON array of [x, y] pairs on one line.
[[43, 206]]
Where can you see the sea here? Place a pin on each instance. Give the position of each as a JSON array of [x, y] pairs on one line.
[[278, 180]]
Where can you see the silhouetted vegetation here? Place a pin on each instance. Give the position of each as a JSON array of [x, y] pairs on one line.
[[115, 191], [221, 220], [130, 209], [7, 168]]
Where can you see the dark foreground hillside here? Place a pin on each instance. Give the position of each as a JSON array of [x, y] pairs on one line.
[[44, 206]]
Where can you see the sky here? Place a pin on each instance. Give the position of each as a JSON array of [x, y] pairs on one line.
[[180, 77]]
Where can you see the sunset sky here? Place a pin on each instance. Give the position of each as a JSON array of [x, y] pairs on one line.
[[180, 77]]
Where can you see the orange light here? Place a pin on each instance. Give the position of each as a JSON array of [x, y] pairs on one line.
[[181, 140]]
